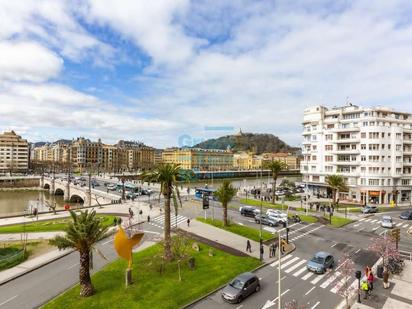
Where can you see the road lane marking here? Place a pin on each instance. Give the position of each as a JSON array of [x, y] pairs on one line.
[[338, 285], [282, 259], [375, 228], [317, 279], [355, 225], [334, 245], [367, 220], [357, 251], [74, 265], [315, 305], [240, 223], [308, 275], [373, 221], [8, 300], [109, 241], [310, 290], [294, 231], [289, 262], [300, 271], [238, 307], [405, 226], [330, 280], [399, 224], [295, 266], [280, 279], [363, 219]]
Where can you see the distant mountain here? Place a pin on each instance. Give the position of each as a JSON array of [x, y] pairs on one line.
[[258, 143], [38, 144], [63, 141]]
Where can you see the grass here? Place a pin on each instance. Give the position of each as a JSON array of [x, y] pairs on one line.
[[306, 218], [47, 225], [338, 221], [256, 203], [245, 231], [155, 291], [11, 256]]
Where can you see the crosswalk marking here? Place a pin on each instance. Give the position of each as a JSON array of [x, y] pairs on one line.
[[300, 271], [363, 219], [307, 276], [375, 228], [367, 220], [374, 221], [289, 262], [399, 224], [159, 221], [330, 280], [282, 259], [338, 285], [270, 229], [317, 279], [295, 266], [405, 225]]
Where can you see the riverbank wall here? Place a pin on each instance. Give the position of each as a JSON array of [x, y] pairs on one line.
[[19, 183]]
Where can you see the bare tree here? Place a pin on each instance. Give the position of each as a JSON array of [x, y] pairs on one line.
[[180, 249], [385, 247], [346, 272]]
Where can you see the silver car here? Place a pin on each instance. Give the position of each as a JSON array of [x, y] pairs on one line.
[[387, 222], [241, 287]]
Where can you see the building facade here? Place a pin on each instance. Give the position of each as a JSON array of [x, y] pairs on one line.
[[247, 161], [199, 159], [370, 147], [292, 161], [14, 153]]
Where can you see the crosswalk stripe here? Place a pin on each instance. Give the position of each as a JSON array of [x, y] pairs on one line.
[[405, 225], [300, 271], [375, 228], [367, 220], [374, 221], [295, 266], [338, 285], [289, 262], [399, 224], [282, 259], [307, 276], [317, 279], [330, 280], [363, 219]]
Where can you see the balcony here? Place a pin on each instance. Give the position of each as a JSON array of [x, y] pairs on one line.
[[346, 151], [347, 140], [306, 142], [348, 163], [351, 129]]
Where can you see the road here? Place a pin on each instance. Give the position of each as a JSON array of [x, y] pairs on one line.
[[43, 284]]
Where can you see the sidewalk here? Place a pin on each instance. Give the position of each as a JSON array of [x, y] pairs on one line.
[[30, 236], [226, 238]]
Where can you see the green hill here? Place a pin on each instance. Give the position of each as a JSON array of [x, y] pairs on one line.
[[257, 143]]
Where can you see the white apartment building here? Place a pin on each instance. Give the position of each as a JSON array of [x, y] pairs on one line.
[[14, 153], [370, 147]]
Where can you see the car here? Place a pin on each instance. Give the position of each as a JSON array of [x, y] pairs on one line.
[[147, 191], [369, 209], [241, 287], [266, 220], [280, 218], [273, 212], [406, 215], [106, 184], [249, 211], [387, 222], [111, 187], [321, 262]]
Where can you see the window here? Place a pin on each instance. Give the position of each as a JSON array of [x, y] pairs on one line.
[[329, 169], [313, 158], [398, 147], [314, 147], [330, 126], [328, 158], [363, 135], [363, 158], [328, 137], [313, 137], [328, 147], [373, 146], [373, 182], [382, 134], [363, 146]]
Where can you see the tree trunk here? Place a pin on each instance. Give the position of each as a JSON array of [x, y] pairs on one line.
[[275, 178], [168, 250], [225, 214], [86, 286]]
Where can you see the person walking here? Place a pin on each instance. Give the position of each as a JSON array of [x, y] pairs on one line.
[[365, 289], [148, 218], [262, 250], [248, 246], [131, 214], [370, 281], [188, 222]]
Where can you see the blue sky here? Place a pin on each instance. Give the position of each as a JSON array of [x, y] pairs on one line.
[[165, 71]]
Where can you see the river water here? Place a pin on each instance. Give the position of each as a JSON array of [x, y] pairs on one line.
[[16, 202]]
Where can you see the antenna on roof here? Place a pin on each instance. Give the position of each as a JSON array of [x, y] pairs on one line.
[[348, 103]]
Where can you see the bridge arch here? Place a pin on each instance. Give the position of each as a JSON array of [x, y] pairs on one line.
[[46, 186], [59, 192], [76, 199]]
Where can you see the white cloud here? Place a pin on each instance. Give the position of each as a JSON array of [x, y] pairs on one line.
[[28, 61]]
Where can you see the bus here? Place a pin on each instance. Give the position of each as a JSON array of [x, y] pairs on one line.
[[127, 187], [199, 192]]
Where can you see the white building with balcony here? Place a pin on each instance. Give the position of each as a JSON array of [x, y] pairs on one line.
[[370, 147]]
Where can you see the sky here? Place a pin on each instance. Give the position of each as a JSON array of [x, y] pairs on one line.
[[176, 72]]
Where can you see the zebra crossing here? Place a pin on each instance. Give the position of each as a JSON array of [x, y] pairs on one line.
[[296, 266], [376, 224], [159, 221]]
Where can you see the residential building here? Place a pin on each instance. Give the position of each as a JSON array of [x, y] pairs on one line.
[[292, 161], [247, 161], [370, 147], [158, 156], [14, 153], [199, 159]]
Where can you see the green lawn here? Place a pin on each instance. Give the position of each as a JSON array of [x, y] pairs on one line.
[[265, 204], [11, 256], [245, 231], [47, 225], [155, 291], [306, 218], [338, 221]]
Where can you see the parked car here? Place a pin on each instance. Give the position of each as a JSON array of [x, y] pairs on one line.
[[406, 215], [271, 212], [147, 191], [111, 187], [369, 209], [279, 218], [387, 222], [321, 262], [266, 220], [241, 287], [249, 211], [106, 184]]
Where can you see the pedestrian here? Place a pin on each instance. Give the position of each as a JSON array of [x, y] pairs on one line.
[[188, 222], [370, 281], [262, 250], [367, 270], [385, 278], [365, 289], [141, 212], [150, 206], [248, 246], [131, 214], [148, 218]]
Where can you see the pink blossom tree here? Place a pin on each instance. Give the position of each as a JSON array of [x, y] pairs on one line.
[[346, 272], [385, 247]]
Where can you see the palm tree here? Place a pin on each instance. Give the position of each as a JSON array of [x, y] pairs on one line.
[[167, 175], [336, 183], [82, 234], [275, 167], [225, 194]]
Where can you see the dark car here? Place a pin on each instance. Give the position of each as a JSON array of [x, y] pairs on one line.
[[369, 209], [266, 220], [406, 215], [321, 262], [249, 211], [241, 287]]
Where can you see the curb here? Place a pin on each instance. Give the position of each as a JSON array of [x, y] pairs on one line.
[[194, 302]]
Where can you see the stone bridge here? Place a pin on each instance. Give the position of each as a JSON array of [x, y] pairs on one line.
[[76, 193]]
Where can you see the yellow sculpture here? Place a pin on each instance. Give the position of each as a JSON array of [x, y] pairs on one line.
[[124, 245]]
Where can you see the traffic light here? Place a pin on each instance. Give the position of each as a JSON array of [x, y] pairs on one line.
[[205, 201]]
